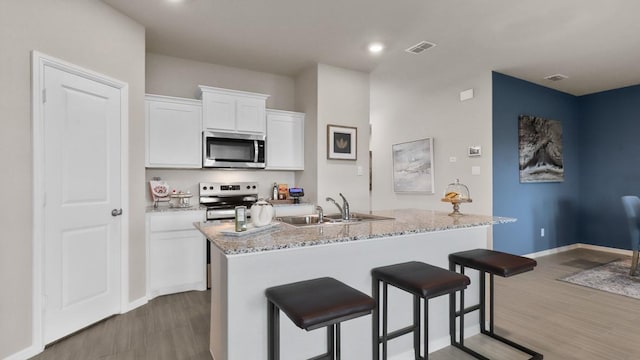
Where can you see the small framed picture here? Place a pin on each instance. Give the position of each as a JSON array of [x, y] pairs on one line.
[[342, 142], [475, 151]]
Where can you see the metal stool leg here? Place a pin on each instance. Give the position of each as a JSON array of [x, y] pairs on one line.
[[416, 327], [273, 331], [375, 316]]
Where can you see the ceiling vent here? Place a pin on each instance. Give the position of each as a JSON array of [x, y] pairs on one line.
[[556, 77], [420, 47]]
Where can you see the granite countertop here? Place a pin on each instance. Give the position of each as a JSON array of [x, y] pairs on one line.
[[284, 236], [163, 207]]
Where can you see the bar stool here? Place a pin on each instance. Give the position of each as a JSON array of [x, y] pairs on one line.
[[494, 263], [422, 281], [312, 304]]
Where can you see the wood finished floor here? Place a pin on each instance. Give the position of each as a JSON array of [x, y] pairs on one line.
[[560, 320]]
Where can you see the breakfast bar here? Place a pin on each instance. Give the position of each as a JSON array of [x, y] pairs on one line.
[[243, 266]]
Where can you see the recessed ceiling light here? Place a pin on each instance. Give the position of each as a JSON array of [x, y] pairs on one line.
[[175, 1], [376, 48]]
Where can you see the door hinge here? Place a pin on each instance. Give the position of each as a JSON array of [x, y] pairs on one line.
[[44, 96]]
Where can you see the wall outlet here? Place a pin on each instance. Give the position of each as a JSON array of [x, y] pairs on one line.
[[359, 171], [541, 232]]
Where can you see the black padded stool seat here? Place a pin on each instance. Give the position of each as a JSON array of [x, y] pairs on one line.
[[493, 262], [423, 281], [486, 262], [312, 304]]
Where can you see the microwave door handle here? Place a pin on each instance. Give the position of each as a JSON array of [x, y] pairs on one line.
[[255, 151]]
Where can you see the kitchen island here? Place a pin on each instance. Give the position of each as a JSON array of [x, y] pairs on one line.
[[242, 267]]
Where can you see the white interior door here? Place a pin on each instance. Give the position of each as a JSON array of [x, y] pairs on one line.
[[82, 184]]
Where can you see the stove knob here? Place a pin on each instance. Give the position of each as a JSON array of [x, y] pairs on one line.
[[210, 187], [204, 188], [248, 187], [254, 186]]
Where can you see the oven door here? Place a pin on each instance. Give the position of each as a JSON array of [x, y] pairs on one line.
[[224, 150]]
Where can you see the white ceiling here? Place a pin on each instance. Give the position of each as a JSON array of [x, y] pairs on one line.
[[594, 42]]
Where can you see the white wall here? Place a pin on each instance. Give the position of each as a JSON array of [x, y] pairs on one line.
[[307, 102], [172, 76], [94, 36], [343, 99], [411, 107]]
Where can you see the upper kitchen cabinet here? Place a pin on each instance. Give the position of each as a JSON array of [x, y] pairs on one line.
[[285, 140], [173, 132], [233, 111]]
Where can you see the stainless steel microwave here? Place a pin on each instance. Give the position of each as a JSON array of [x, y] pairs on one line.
[[230, 150]]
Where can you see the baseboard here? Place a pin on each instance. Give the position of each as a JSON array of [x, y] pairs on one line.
[[27, 353], [606, 249], [136, 304], [553, 251], [437, 344], [579, 246]]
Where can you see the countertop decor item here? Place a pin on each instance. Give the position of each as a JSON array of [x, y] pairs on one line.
[[261, 213], [456, 193], [159, 191], [342, 142], [413, 166]]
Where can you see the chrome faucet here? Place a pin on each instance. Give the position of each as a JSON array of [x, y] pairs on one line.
[[344, 209], [320, 214], [346, 215]]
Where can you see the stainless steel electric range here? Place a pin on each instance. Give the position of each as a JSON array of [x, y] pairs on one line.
[[221, 199]]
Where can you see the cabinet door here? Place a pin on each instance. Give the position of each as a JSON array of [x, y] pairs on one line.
[[174, 137], [219, 111], [177, 262], [250, 115], [285, 141], [176, 252]]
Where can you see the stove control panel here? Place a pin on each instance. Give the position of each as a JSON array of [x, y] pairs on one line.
[[228, 189]]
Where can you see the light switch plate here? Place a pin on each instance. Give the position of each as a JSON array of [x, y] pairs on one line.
[[359, 170], [452, 159], [475, 170]]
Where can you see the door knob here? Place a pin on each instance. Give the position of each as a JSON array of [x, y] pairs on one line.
[[116, 212]]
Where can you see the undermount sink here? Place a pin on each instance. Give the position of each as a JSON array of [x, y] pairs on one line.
[[307, 220], [355, 217]]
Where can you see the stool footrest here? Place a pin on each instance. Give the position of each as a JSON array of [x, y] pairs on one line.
[[535, 355], [468, 310], [326, 356], [397, 333]]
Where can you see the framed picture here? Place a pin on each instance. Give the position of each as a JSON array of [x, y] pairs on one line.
[[342, 142], [540, 150], [413, 166], [475, 151]]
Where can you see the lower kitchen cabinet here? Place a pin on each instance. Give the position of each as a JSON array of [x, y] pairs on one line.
[[285, 140], [176, 252]]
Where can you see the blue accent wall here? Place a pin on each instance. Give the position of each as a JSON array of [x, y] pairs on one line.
[[552, 206], [610, 164]]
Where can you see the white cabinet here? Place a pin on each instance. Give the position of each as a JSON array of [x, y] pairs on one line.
[[173, 132], [176, 252], [285, 140], [233, 111]]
